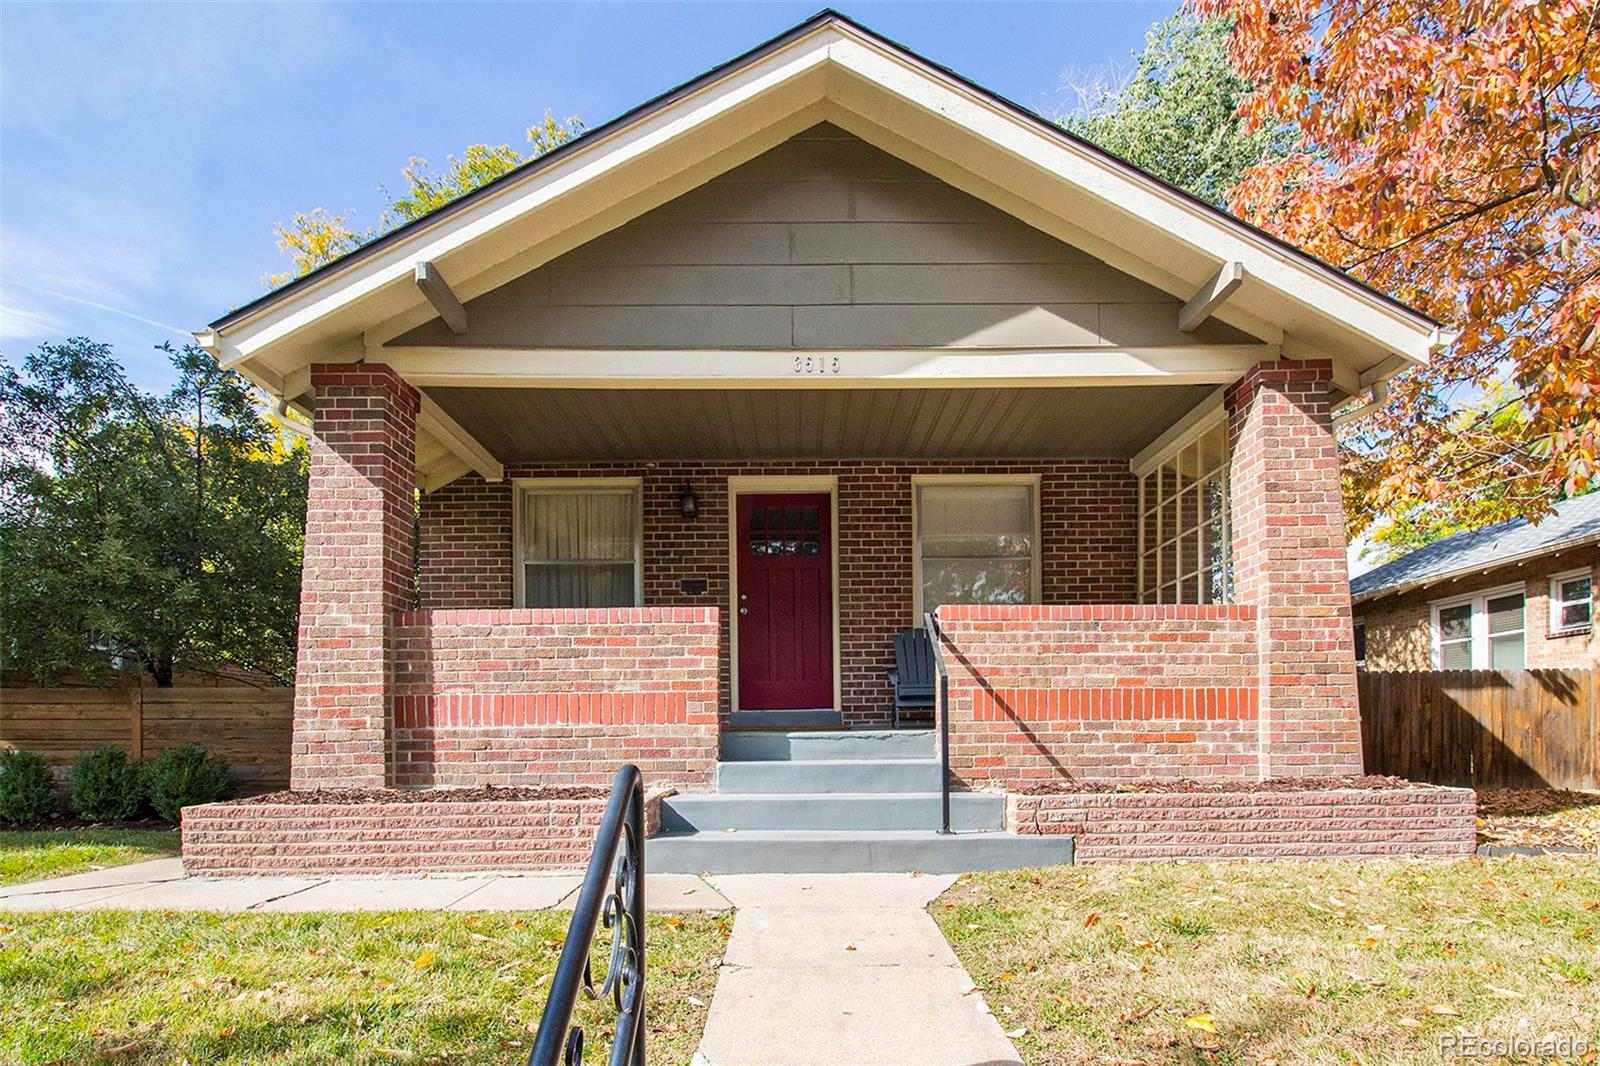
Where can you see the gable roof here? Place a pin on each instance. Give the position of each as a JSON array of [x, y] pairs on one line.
[[826, 67], [1575, 522]]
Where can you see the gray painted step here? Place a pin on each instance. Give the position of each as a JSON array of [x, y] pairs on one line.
[[829, 775], [879, 852], [840, 744], [713, 812]]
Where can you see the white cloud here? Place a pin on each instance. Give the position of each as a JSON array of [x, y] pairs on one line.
[[19, 323]]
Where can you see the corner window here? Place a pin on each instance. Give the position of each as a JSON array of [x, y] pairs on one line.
[[1571, 603], [578, 543], [1484, 632], [1185, 543], [1361, 641], [977, 541]]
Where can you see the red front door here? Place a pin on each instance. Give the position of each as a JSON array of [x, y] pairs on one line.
[[785, 606]]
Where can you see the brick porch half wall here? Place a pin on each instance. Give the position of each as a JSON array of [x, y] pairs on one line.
[[1101, 693], [555, 697]]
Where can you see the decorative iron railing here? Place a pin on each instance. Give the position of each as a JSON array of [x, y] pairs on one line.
[[612, 896], [936, 639]]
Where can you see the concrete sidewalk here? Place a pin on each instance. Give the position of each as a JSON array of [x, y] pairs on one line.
[[160, 885], [828, 968]]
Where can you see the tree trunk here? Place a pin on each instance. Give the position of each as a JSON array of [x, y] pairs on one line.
[[161, 670]]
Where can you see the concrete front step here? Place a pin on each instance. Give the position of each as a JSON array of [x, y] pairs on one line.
[[714, 812], [803, 852], [828, 775], [832, 744]]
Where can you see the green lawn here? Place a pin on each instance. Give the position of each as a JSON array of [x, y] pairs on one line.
[[32, 855], [1289, 962], [320, 988]]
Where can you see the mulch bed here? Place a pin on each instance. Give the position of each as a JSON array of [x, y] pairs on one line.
[[1539, 818], [1373, 782], [350, 797]]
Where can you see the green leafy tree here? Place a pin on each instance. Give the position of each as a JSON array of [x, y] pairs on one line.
[[1176, 115], [318, 237], [158, 532]]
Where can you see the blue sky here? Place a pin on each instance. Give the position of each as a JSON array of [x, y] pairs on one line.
[[146, 150]]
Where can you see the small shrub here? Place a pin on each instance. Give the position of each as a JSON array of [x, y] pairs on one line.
[[106, 787], [27, 791], [181, 777]]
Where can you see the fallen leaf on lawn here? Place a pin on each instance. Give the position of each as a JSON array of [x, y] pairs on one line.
[[1202, 1021], [1444, 1010], [120, 1050], [1141, 1013], [674, 922], [424, 960], [1093, 919], [1408, 1022], [1013, 1034], [1506, 993], [695, 1001]]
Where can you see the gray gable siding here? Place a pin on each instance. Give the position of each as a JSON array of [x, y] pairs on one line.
[[826, 242]]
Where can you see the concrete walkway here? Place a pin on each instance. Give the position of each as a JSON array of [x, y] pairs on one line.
[[829, 968], [160, 885]]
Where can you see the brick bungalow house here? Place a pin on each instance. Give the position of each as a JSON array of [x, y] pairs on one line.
[[710, 403], [1510, 596]]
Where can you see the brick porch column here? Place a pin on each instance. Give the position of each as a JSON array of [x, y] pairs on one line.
[[1289, 560], [357, 573]]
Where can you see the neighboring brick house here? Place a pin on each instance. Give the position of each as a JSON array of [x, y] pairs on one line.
[[710, 403], [1509, 596]]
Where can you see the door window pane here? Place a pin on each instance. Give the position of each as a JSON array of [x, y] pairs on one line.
[[580, 549], [976, 543]]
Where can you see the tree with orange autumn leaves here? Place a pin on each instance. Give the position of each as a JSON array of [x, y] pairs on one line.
[[1449, 153]]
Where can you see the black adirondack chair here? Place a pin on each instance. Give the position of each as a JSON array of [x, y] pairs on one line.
[[912, 676]]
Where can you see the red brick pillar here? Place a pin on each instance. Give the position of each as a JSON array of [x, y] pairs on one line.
[[1289, 561], [357, 573]]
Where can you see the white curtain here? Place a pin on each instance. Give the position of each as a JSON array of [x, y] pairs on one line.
[[579, 548], [976, 543]]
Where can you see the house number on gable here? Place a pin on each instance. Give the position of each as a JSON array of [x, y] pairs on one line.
[[816, 364]]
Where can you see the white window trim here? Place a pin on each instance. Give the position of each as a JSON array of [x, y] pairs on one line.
[[1361, 624], [1479, 641], [1556, 603], [571, 486], [1035, 566]]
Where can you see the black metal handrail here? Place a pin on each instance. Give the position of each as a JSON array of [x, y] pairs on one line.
[[612, 895], [936, 639]]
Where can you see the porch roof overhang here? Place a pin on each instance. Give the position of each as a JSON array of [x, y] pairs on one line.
[[827, 69]]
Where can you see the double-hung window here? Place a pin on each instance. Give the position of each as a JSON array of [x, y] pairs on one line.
[[1571, 603], [1482, 632], [578, 543], [977, 540]]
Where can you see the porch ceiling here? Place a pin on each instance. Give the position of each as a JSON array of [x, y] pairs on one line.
[[542, 425]]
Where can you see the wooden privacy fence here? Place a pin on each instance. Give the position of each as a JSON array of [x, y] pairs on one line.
[[1483, 728], [249, 727]]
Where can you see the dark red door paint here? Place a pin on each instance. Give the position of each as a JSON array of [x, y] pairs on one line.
[[785, 606]]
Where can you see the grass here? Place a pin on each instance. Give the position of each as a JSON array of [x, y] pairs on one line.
[[149, 987], [32, 855], [1291, 963]]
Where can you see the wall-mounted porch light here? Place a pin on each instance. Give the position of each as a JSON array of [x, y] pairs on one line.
[[688, 502]]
